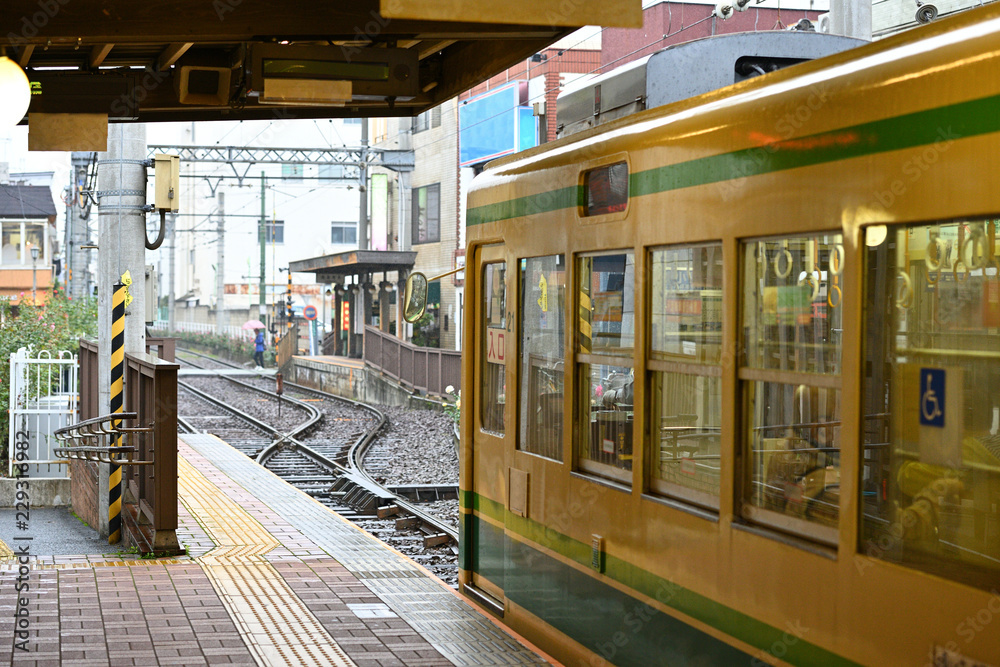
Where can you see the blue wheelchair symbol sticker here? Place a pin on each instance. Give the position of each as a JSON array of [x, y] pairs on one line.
[[932, 397]]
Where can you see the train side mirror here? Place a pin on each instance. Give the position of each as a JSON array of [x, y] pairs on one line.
[[415, 297]]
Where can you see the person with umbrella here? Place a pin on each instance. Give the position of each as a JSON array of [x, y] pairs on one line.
[[258, 343], [258, 349]]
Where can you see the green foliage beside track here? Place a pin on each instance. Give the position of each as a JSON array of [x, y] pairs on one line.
[[58, 325], [230, 349]]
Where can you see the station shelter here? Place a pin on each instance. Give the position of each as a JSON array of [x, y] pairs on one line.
[[364, 293]]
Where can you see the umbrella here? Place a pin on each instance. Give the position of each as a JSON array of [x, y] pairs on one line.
[[254, 324]]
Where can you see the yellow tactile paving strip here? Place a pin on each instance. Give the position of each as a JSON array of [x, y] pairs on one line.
[[5, 551], [275, 623]]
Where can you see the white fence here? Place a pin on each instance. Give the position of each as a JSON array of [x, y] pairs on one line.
[[43, 398], [200, 327]]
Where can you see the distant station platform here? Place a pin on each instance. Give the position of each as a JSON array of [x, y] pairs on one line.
[[235, 372], [272, 577], [332, 360]]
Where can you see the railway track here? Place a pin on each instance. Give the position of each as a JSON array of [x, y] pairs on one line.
[[318, 445]]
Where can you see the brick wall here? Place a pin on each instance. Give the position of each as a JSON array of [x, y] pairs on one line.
[[84, 487]]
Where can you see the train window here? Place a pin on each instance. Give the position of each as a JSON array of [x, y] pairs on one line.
[[605, 189], [684, 371], [494, 332], [790, 380], [605, 337], [930, 479], [542, 324]]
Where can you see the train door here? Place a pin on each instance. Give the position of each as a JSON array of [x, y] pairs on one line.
[[486, 472]]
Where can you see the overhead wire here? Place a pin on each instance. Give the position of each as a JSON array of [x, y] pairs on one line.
[[451, 135]]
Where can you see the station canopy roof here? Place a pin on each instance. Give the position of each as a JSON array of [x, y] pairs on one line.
[[188, 60], [332, 268]]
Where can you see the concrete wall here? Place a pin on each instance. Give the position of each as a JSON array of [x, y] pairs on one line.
[[41, 492], [359, 384]]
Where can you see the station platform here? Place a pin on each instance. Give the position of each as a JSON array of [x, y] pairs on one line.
[[272, 577]]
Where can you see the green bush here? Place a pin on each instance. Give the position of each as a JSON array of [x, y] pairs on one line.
[[233, 349], [56, 326]]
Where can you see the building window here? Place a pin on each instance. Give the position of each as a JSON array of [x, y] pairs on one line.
[[274, 232], [790, 376], [427, 214], [685, 372], [379, 129], [605, 340], [344, 233], [542, 324], [427, 120], [17, 240], [930, 481]]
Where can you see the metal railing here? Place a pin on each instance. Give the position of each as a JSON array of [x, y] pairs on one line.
[[288, 347], [151, 401], [43, 397], [151, 392], [427, 369], [93, 440]]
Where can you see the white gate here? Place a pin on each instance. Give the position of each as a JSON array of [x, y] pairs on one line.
[[43, 398]]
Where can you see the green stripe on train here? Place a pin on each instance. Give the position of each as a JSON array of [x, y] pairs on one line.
[[530, 580], [921, 128]]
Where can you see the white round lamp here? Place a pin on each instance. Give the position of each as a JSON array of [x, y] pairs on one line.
[[15, 93]]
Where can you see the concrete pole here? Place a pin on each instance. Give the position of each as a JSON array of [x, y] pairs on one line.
[[405, 229], [363, 187], [220, 265], [77, 235], [263, 246], [121, 233], [851, 18], [171, 267]]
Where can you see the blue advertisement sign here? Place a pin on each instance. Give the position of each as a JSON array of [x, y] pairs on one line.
[[496, 123]]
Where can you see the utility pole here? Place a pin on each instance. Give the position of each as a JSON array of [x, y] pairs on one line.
[[121, 247], [852, 18], [220, 264], [263, 244], [363, 187], [172, 239], [77, 234]]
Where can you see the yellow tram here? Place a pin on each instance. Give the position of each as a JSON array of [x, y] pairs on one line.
[[732, 375]]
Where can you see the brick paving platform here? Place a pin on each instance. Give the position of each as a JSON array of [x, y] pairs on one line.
[[272, 577]]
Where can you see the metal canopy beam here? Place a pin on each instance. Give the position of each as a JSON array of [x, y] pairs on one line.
[[348, 157], [157, 46], [351, 159]]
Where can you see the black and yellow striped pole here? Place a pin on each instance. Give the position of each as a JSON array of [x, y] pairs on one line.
[[117, 405]]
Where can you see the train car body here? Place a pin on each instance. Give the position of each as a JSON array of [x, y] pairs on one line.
[[732, 373]]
